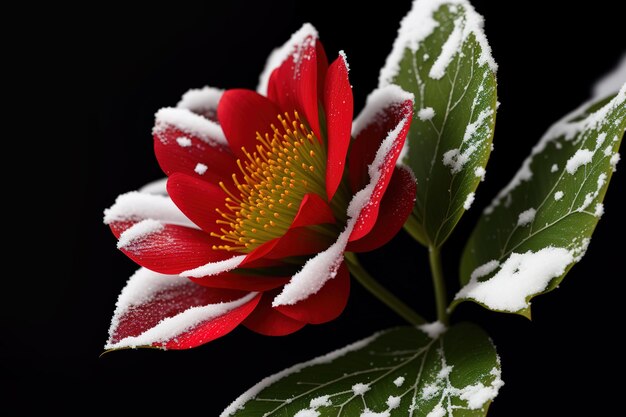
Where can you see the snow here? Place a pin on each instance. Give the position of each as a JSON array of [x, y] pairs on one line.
[[141, 287], [526, 217], [393, 402], [376, 106], [324, 266], [485, 269], [468, 201], [183, 142], [433, 330], [240, 402], [369, 413], [138, 232], [360, 389], [599, 211], [398, 381], [343, 56], [480, 172], [558, 195], [580, 158], [136, 206], [191, 123], [323, 401], [449, 49], [155, 187], [200, 169], [419, 24], [307, 413], [426, 113], [279, 55], [614, 161], [612, 82], [554, 168], [454, 160], [214, 268], [478, 395], [438, 411], [521, 275], [200, 100]]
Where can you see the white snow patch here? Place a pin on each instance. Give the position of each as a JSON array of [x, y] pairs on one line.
[[554, 168], [136, 206], [526, 217], [426, 113], [393, 402], [480, 172], [611, 82], [599, 211], [343, 56], [429, 391], [478, 395], [138, 232], [200, 100], [369, 413], [468, 201], [608, 150], [484, 270], [558, 195], [521, 275], [155, 187], [214, 268], [323, 401], [454, 160], [360, 389], [580, 158], [183, 142], [191, 123], [329, 357], [433, 330], [398, 381], [324, 266], [307, 413], [438, 411], [419, 24], [449, 49], [376, 105], [293, 46], [614, 161], [200, 169]]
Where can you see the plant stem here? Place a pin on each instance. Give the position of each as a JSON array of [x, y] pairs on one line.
[[380, 292], [439, 283]]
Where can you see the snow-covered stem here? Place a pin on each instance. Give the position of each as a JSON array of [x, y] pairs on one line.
[[441, 298], [380, 292]]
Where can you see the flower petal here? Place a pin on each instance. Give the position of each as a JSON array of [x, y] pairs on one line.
[[395, 208], [338, 105], [324, 266], [325, 305], [313, 210], [197, 199], [243, 113], [171, 312], [202, 101], [268, 321], [385, 108], [136, 206], [294, 82], [184, 141], [236, 281]]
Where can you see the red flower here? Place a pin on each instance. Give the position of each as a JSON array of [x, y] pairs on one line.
[[264, 200]]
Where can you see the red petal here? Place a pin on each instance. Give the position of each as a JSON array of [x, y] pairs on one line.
[[313, 210], [370, 128], [293, 85], [180, 147], [395, 208], [171, 250], [197, 199], [154, 310], [243, 113], [242, 282], [322, 67], [325, 305], [268, 321], [338, 106]]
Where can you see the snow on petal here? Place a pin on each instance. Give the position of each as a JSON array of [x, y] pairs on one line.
[[137, 206], [279, 55], [155, 187], [200, 100], [214, 268], [520, 276], [138, 231], [187, 121]]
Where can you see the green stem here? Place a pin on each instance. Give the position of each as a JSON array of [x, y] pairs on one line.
[[436, 270], [380, 292]]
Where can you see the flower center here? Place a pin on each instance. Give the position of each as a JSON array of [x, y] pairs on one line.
[[285, 167]]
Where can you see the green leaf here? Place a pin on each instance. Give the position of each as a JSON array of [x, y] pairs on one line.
[[397, 373], [540, 225], [442, 56]]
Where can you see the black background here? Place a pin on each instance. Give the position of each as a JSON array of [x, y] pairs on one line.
[[93, 83]]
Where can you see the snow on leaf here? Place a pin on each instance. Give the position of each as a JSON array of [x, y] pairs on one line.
[[442, 56], [541, 223], [385, 375]]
